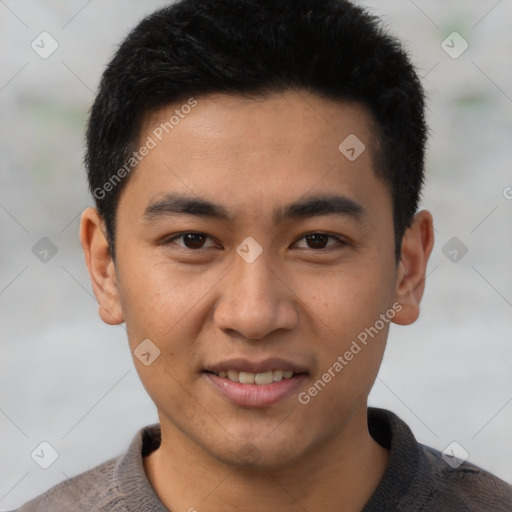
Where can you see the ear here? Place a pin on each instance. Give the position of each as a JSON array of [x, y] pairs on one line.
[[417, 244], [101, 266]]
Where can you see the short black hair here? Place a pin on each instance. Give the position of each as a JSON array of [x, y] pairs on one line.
[[253, 48]]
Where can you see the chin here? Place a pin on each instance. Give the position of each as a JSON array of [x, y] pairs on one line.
[[258, 456]]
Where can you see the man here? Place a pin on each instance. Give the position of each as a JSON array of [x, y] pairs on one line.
[[257, 168]]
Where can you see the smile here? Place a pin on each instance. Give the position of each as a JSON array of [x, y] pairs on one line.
[[260, 379], [255, 389]]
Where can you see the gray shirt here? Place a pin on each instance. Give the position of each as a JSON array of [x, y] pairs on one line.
[[417, 479]]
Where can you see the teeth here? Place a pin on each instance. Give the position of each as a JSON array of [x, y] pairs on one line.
[[278, 375], [256, 378], [246, 378], [263, 378]]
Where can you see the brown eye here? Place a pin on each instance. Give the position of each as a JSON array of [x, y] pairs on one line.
[[191, 240], [319, 241]]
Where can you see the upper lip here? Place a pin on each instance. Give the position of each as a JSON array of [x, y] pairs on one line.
[[265, 365]]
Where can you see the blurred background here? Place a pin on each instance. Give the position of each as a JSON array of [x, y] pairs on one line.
[[69, 380]]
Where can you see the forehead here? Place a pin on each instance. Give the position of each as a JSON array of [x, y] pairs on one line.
[[287, 119], [257, 151]]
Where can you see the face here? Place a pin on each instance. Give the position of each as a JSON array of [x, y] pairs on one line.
[[248, 242]]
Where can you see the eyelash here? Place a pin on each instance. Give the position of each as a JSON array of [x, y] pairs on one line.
[[169, 241]]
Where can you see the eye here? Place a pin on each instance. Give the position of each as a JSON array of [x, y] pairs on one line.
[[320, 240], [191, 240], [195, 241]]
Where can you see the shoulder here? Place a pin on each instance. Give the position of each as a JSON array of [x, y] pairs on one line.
[[463, 486], [419, 478], [94, 489], [117, 485]]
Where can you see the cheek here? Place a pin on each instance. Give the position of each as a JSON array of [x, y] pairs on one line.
[[160, 304], [159, 295], [348, 300], [347, 308]]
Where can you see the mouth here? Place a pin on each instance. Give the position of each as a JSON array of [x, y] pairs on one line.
[[251, 384], [259, 379]]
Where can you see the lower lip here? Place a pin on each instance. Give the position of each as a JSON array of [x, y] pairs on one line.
[[255, 395]]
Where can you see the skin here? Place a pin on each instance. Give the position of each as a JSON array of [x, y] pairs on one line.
[[296, 301]]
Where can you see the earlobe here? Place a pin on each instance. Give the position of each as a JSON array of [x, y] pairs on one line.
[[101, 266], [417, 244]]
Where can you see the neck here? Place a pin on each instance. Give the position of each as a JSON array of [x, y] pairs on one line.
[[341, 474]]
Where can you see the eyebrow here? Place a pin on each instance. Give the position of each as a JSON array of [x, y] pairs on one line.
[[312, 206]]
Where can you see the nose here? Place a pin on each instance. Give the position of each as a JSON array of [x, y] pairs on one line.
[[256, 300]]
